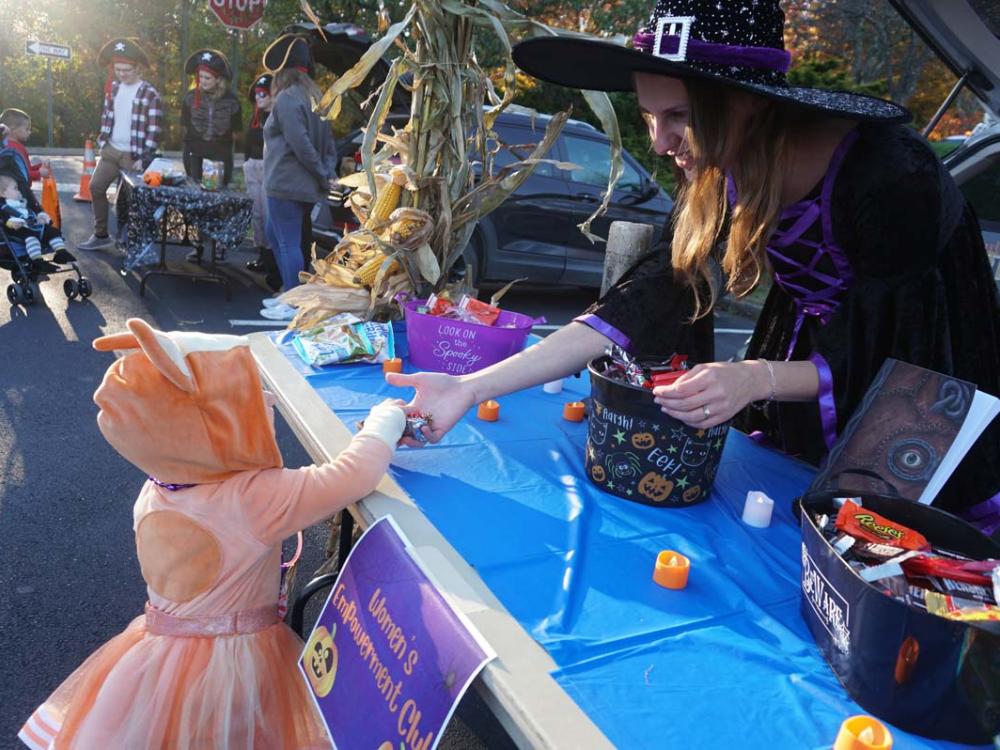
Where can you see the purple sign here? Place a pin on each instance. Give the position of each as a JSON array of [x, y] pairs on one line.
[[389, 659]]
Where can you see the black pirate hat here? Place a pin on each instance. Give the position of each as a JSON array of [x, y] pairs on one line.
[[288, 51], [736, 42], [263, 81], [211, 60], [122, 50]]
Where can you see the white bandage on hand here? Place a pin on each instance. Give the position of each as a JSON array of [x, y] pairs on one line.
[[386, 422]]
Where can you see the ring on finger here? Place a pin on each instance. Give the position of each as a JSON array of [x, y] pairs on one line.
[[706, 411]]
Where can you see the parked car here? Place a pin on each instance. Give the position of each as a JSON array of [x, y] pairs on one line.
[[533, 234], [965, 34]]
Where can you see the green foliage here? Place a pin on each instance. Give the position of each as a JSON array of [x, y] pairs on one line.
[[86, 25], [823, 72]]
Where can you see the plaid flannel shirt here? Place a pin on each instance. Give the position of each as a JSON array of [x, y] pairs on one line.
[[147, 121]]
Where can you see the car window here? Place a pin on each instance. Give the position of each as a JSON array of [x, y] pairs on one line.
[[983, 192], [594, 159], [524, 140]]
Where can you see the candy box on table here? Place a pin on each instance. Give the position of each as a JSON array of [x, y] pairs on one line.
[[926, 674], [638, 453]]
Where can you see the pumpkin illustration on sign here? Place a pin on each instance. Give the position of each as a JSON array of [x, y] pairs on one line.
[[321, 660], [655, 487]]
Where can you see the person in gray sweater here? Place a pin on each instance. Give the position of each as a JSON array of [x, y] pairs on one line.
[[300, 156]]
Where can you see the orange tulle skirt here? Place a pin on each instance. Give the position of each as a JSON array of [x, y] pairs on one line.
[[141, 690]]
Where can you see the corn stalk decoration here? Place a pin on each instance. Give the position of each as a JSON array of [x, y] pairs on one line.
[[422, 189]]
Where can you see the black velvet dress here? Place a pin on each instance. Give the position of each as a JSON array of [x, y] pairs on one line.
[[884, 259]]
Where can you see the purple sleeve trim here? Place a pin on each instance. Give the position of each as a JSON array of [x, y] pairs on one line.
[[606, 329], [827, 406], [985, 516]]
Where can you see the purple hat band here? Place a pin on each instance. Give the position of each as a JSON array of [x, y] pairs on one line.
[[767, 58]]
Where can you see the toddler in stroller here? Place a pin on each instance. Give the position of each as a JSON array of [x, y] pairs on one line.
[[26, 235]]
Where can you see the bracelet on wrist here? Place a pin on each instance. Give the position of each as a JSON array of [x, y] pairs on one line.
[[770, 374]]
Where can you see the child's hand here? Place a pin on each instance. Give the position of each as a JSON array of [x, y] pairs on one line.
[[386, 422], [44, 218], [15, 222], [44, 170]]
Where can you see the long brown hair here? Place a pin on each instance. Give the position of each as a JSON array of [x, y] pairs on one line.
[[288, 77], [759, 147]]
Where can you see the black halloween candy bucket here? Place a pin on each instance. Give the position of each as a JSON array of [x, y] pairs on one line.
[[922, 672], [638, 453]]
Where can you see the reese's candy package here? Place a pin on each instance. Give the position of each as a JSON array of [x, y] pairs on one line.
[[869, 526]]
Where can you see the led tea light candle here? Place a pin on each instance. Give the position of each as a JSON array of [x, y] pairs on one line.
[[553, 386], [489, 411], [573, 411], [671, 569], [392, 365], [863, 733], [757, 510]]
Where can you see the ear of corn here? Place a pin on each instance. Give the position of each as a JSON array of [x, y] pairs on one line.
[[367, 273], [388, 199]]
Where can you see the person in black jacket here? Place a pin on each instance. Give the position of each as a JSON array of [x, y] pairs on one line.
[[210, 114]]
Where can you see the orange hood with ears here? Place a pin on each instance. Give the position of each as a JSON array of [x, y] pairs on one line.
[[186, 408]]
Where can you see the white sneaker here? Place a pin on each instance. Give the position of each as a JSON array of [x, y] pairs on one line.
[[272, 302], [281, 312], [97, 243]]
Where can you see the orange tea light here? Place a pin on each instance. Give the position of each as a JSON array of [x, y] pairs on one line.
[[489, 411], [863, 733], [392, 365], [573, 411], [671, 569]]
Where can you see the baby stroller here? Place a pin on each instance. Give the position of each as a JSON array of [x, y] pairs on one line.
[[25, 272]]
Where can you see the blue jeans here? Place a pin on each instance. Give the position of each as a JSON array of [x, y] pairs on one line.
[[284, 234]]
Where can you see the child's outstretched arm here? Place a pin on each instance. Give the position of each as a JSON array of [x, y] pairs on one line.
[[284, 501]]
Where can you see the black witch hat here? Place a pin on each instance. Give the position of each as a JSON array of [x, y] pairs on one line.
[[736, 42]]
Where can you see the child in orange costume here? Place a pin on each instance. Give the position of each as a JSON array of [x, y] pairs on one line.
[[209, 665]]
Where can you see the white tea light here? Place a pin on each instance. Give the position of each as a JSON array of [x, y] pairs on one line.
[[553, 386], [757, 510]]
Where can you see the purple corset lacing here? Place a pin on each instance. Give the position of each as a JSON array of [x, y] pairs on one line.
[[823, 302]]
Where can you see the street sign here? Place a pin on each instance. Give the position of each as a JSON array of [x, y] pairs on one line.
[[47, 49], [238, 14]]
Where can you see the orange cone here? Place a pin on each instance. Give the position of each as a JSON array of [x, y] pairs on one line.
[[88, 169]]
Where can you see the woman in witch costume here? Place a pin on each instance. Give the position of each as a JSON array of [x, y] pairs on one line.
[[210, 114], [872, 250]]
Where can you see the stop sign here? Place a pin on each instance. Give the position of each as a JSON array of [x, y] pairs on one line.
[[238, 14]]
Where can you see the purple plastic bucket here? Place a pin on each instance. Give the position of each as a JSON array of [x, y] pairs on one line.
[[458, 348]]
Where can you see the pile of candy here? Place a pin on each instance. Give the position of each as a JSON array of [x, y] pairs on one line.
[[414, 428], [902, 563], [467, 309], [344, 339], [624, 368]]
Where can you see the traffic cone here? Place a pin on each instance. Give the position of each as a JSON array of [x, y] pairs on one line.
[[88, 169]]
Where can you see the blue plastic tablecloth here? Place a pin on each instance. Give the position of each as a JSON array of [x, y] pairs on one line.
[[727, 662]]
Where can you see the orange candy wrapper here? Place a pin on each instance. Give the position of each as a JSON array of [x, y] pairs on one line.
[[862, 523]]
